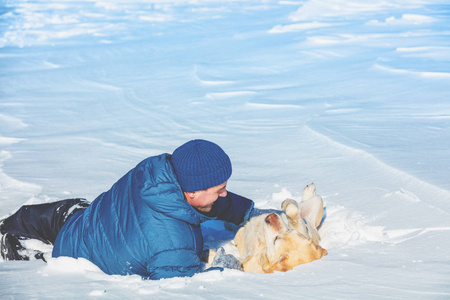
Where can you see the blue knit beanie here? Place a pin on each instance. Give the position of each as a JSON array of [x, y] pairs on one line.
[[200, 164]]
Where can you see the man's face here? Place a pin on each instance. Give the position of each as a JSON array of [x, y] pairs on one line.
[[203, 200]]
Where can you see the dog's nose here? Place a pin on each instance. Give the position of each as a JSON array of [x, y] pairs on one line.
[[322, 251]]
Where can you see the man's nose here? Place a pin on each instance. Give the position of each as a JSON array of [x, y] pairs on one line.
[[223, 194]]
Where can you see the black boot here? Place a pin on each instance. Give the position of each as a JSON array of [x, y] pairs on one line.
[[11, 248], [40, 222]]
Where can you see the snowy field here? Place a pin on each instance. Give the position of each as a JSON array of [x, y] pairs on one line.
[[351, 95]]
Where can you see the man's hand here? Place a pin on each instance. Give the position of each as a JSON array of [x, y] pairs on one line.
[[226, 261]]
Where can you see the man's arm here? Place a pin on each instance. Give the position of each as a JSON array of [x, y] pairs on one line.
[[174, 263]]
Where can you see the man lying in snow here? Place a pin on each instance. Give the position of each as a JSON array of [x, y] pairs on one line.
[[148, 223]]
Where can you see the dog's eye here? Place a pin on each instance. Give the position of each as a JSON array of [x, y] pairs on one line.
[[277, 238], [283, 257]]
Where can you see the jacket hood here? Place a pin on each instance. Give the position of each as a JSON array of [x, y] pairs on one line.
[[162, 192]]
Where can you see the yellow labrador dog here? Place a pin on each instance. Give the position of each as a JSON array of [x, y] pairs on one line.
[[278, 242]]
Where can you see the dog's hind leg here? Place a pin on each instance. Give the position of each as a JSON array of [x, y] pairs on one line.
[[311, 207], [309, 191], [312, 212]]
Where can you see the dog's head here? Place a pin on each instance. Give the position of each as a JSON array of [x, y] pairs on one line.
[[286, 248]]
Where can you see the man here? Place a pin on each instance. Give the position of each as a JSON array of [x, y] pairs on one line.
[[148, 223]]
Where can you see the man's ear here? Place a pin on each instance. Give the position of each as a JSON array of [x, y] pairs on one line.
[[189, 195]]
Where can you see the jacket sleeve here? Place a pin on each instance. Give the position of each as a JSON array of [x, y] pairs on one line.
[[174, 263], [232, 208]]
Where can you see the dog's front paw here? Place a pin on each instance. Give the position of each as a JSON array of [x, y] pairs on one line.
[[309, 191], [290, 207]]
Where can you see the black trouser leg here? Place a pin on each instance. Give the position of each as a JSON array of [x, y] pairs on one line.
[[40, 221]]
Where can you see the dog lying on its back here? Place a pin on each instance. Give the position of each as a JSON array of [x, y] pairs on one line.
[[273, 242]]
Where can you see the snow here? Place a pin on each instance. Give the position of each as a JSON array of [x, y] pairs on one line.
[[351, 95]]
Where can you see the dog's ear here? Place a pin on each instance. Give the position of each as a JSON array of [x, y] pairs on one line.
[[273, 220]]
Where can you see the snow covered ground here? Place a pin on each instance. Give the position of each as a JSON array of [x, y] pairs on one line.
[[352, 95]]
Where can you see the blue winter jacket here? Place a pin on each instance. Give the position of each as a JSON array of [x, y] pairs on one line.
[[143, 225]]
